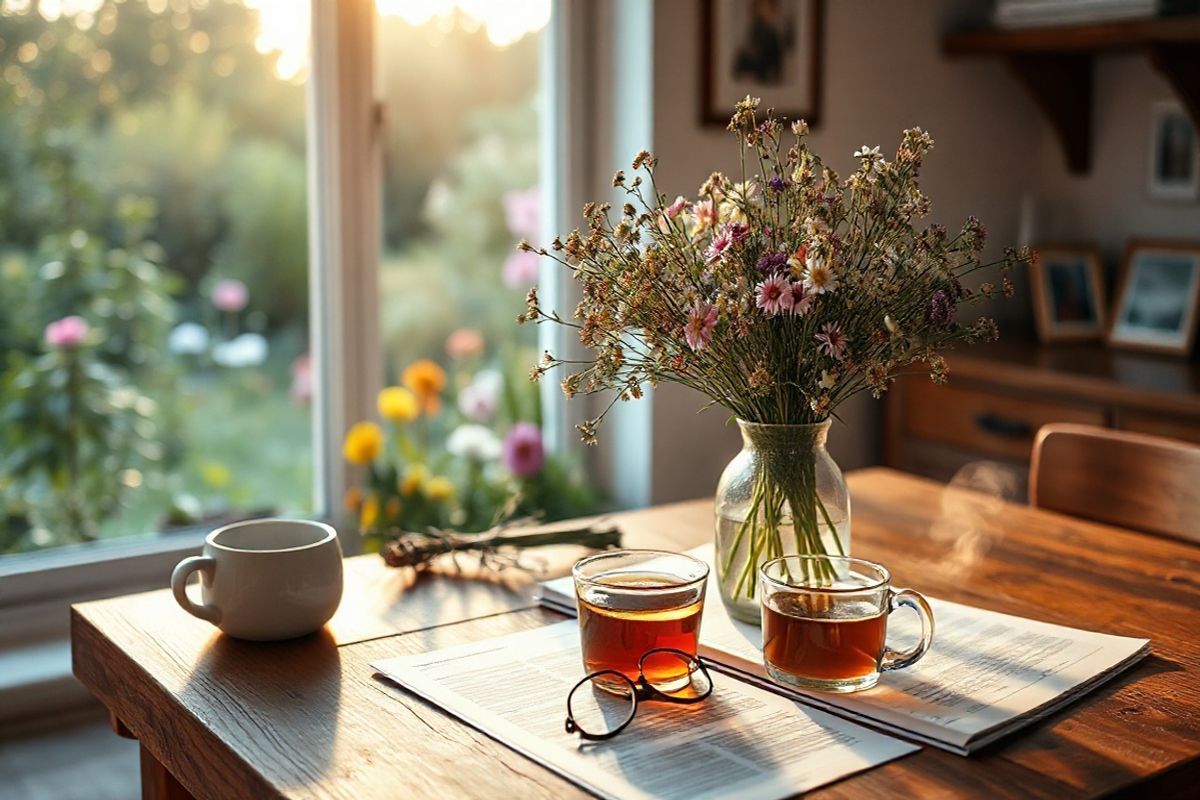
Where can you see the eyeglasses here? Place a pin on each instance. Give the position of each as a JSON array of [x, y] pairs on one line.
[[603, 703]]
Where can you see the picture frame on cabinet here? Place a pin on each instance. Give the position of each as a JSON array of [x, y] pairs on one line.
[[1157, 299], [1067, 284]]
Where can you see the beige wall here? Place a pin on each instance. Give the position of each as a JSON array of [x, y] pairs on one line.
[[882, 72]]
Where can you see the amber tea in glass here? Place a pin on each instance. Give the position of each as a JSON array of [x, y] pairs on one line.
[[633, 601], [824, 622]]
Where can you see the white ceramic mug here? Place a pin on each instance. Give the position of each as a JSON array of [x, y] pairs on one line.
[[265, 579]]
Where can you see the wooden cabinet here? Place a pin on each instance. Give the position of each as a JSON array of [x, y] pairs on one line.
[[1000, 395]]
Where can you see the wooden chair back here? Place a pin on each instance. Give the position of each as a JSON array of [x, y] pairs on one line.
[[1147, 483]]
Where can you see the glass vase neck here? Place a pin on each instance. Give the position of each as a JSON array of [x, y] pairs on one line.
[[784, 438]]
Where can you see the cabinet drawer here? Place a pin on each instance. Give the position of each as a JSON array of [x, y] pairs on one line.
[[981, 421], [1184, 429]]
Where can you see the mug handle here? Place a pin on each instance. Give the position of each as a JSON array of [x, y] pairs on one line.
[[914, 600], [179, 580]]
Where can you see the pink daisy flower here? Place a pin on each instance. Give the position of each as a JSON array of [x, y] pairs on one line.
[[738, 231], [802, 299], [675, 208], [774, 295], [706, 215], [699, 326], [832, 341], [718, 247]]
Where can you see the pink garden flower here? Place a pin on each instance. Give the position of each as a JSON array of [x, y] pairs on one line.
[[699, 326], [230, 295], [522, 212], [520, 270], [675, 208], [67, 332], [464, 343], [774, 295], [523, 453], [302, 384], [832, 341], [802, 299]]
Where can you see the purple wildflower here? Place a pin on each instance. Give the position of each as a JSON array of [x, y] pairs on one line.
[[942, 309], [771, 263], [777, 183]]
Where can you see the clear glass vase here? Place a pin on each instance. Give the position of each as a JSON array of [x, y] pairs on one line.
[[781, 495]]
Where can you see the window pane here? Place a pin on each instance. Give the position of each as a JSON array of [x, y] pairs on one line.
[[153, 266], [461, 188]]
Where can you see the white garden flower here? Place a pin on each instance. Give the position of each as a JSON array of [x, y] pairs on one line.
[[473, 442], [828, 379], [247, 350], [867, 152], [479, 398], [188, 339]]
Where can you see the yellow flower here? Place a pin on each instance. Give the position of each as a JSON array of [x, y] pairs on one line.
[[439, 489], [426, 380], [413, 480], [353, 499], [364, 443], [370, 512], [398, 404]]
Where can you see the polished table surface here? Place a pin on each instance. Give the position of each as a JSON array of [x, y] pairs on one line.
[[221, 718]]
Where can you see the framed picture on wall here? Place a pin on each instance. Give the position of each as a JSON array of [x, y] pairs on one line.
[[769, 49], [1157, 298], [1174, 154], [1068, 293]]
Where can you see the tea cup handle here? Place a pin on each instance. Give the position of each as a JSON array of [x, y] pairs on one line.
[[914, 600], [179, 587]]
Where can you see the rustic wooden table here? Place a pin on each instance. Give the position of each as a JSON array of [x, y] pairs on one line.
[[219, 718]]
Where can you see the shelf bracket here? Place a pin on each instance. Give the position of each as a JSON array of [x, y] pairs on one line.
[[1061, 85], [1179, 63]]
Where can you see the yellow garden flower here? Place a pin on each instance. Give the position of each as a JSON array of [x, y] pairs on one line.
[[439, 489], [426, 380], [370, 512], [413, 480], [364, 443], [398, 404]]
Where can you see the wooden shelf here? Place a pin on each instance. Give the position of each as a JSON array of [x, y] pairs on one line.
[[1092, 371], [1055, 66]]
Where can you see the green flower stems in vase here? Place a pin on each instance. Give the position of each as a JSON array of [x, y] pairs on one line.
[[782, 478]]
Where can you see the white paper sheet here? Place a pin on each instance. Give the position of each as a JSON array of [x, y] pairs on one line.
[[986, 675], [740, 742]]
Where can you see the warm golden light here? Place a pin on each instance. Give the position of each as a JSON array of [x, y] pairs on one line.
[[284, 30], [284, 24]]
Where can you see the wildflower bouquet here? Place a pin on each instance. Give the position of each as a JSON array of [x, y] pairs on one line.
[[778, 295], [458, 452]]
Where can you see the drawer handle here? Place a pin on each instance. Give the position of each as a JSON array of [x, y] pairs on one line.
[[1001, 426]]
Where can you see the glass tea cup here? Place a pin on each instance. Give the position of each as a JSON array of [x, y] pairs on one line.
[[631, 602], [824, 622]]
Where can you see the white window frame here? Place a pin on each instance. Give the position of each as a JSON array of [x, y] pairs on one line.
[[343, 188], [344, 119]]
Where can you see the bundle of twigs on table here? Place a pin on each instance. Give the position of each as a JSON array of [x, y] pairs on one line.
[[501, 547]]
